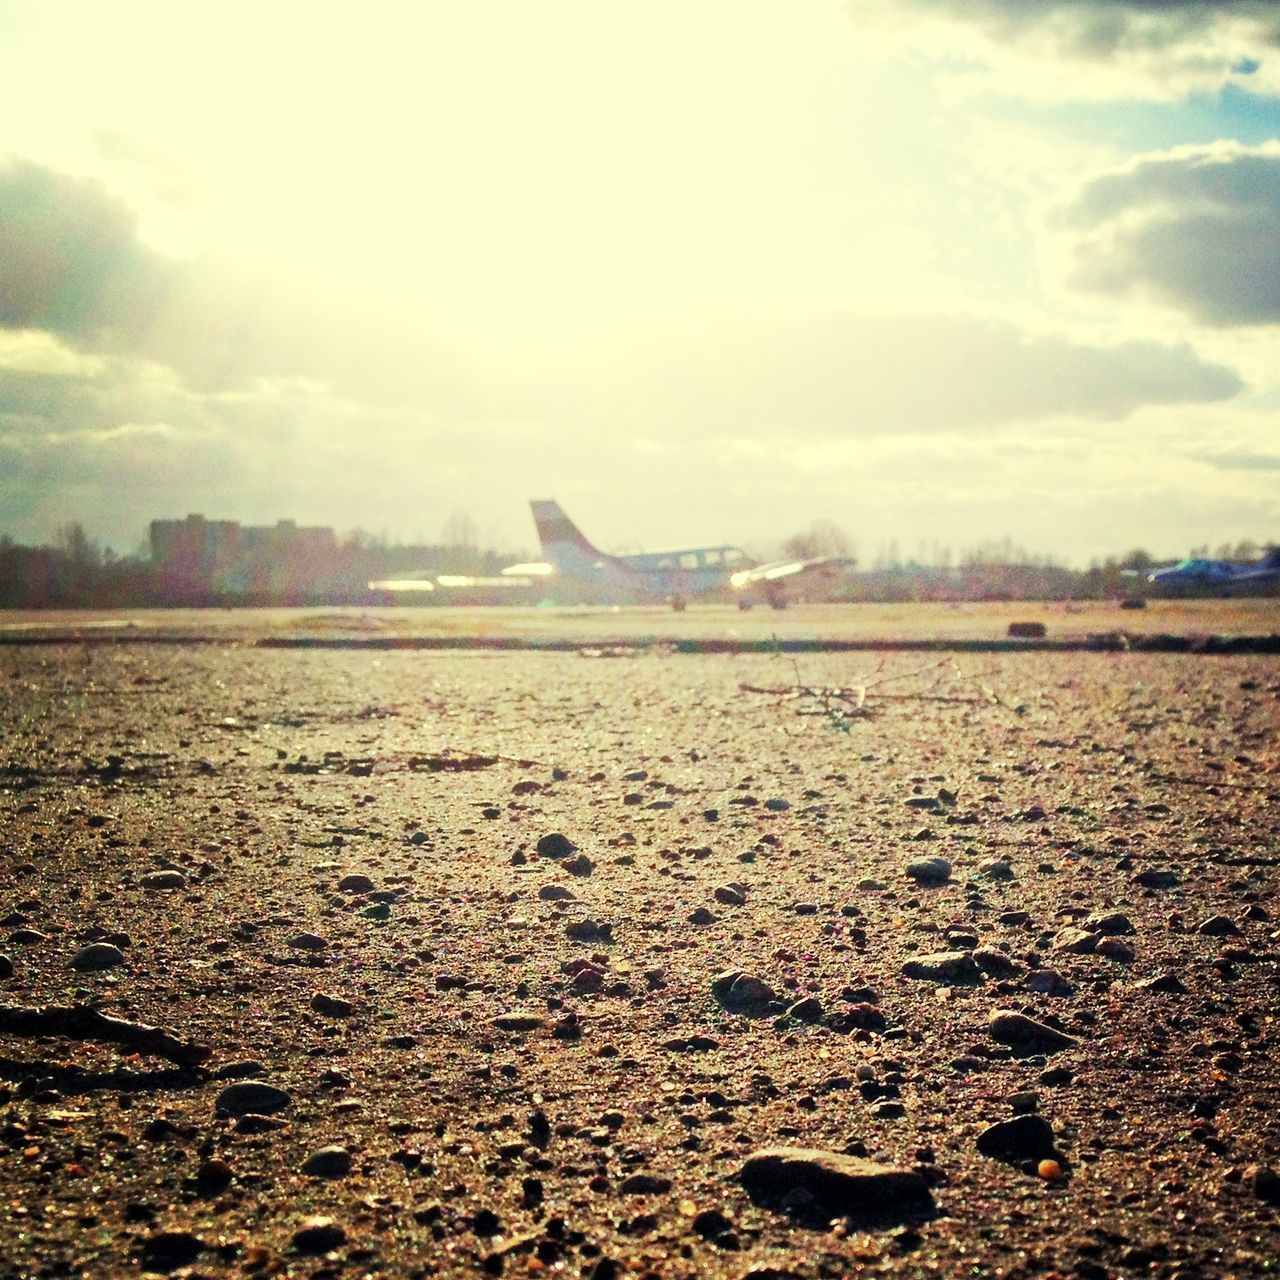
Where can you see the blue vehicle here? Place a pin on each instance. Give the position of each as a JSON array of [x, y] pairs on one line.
[[1223, 574]]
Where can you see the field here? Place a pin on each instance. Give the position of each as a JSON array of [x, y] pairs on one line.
[[985, 943]]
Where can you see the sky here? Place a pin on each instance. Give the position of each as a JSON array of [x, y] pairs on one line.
[[941, 272]]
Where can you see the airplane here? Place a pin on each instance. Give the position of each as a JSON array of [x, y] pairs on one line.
[[1224, 574], [676, 575]]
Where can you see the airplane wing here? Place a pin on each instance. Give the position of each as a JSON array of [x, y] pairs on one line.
[[779, 571]]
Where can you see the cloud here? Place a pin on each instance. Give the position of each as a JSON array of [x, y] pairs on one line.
[[1195, 229], [1234, 461], [875, 375]]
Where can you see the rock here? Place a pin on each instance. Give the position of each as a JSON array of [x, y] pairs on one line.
[[251, 1097], [1109, 923], [1025, 1137], [169, 1250], [736, 990], [1164, 984], [97, 956], [1076, 942], [332, 1006], [995, 964], [929, 870], [589, 931], [1048, 982], [28, 937], [519, 1020], [700, 915], [255, 1124], [212, 1177], [1026, 1035], [319, 1235], [807, 1010], [579, 865], [731, 895], [1116, 949], [775, 804], [644, 1184], [1219, 927], [840, 1184], [328, 1162], [1264, 1182], [355, 883], [163, 880], [861, 1016], [557, 893], [943, 966], [308, 942], [870, 885], [1156, 878], [6, 968], [555, 845], [995, 869]]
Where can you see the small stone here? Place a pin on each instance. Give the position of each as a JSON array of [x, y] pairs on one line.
[[1219, 927], [355, 883], [870, 885], [579, 865], [256, 1124], [519, 1020], [589, 930], [1264, 1182], [644, 1184], [700, 915], [1168, 984], [1027, 1035], [995, 869], [995, 964], [1116, 949], [1048, 982], [308, 942], [1076, 942], [97, 956], [929, 870], [1025, 1137], [251, 1097], [731, 895], [169, 1250], [556, 845], [6, 968], [807, 1010], [328, 1162], [319, 1235], [557, 893], [163, 880], [741, 990], [1109, 923], [775, 804], [212, 1177], [1156, 878], [332, 1006], [943, 966], [841, 1184]]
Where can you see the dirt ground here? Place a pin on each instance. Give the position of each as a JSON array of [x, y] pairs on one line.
[[473, 1056]]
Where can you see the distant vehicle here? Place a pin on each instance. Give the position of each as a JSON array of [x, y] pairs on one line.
[[674, 576], [1224, 574]]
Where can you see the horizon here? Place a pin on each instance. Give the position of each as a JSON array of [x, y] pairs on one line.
[[707, 272]]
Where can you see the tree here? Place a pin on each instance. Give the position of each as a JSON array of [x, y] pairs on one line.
[[822, 538]]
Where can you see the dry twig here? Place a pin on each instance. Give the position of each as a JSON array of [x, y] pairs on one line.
[[80, 1022]]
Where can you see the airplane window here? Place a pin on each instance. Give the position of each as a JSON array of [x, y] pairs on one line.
[[689, 560], [666, 563], [711, 557], [733, 556]]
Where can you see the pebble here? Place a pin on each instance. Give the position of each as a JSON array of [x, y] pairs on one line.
[[995, 964], [589, 930], [735, 989], [1076, 942], [775, 804], [807, 1010], [929, 870], [1109, 923], [579, 865], [212, 1177], [1026, 1034], [355, 883], [169, 1250], [308, 942], [164, 880], [1025, 1137], [557, 893], [1156, 878], [251, 1097], [555, 845], [97, 956], [731, 895], [644, 1184], [841, 1184], [701, 915], [28, 937], [319, 1235], [1048, 982], [943, 966], [519, 1020], [1116, 949], [328, 1162], [6, 968], [332, 1006], [995, 869], [1264, 1182], [1219, 927], [1168, 984]]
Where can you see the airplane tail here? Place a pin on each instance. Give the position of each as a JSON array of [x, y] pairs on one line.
[[561, 539], [1271, 560]]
